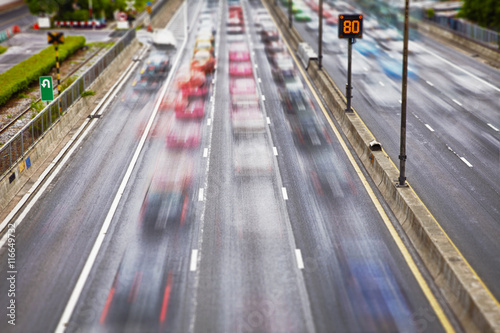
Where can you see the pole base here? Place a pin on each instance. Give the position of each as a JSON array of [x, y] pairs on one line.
[[401, 183]]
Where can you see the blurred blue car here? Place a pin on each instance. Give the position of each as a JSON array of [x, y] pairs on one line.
[[393, 67]]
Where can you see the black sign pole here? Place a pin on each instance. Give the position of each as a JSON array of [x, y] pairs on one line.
[[348, 88], [290, 14], [58, 78]]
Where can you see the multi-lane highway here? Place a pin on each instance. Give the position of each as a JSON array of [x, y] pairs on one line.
[[453, 129], [224, 199]]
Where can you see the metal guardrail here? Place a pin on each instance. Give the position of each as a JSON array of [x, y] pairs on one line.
[[470, 30], [15, 149]]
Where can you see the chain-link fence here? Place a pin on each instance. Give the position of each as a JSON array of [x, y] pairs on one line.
[[13, 151], [470, 30]]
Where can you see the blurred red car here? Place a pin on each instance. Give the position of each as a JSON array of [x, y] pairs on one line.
[[173, 101], [188, 79], [190, 92], [243, 68], [194, 109], [239, 52], [242, 86], [235, 11], [235, 30], [184, 134], [248, 121], [234, 21], [333, 20], [269, 33], [203, 61], [274, 47], [244, 102]]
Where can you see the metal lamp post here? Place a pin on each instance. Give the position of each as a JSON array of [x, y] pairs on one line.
[[402, 154], [320, 38]]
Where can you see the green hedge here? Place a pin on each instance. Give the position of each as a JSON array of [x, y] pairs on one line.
[[28, 71]]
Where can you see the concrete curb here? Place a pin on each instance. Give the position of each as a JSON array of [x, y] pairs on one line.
[[80, 109], [470, 300]]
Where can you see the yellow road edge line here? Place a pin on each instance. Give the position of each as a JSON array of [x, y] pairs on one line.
[[490, 294], [402, 248]]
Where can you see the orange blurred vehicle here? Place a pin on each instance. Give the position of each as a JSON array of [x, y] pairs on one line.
[[203, 61]]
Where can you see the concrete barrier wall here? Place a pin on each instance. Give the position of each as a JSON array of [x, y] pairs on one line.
[[471, 302], [81, 109], [443, 34]]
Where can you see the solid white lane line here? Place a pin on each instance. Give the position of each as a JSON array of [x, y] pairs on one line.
[[466, 162], [268, 121], [211, 99], [381, 83], [496, 129], [194, 260], [205, 152], [258, 79], [285, 195], [200, 194], [209, 121], [457, 102], [213, 81], [263, 97], [300, 261], [430, 83], [103, 105], [429, 127], [275, 151], [82, 279], [256, 66], [463, 70]]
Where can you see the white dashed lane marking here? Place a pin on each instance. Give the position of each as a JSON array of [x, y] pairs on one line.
[[285, 195], [194, 260], [494, 128], [300, 261]]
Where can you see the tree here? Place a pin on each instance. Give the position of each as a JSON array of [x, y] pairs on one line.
[[486, 13], [38, 7]]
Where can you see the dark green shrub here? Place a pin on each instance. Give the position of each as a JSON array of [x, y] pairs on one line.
[[430, 13], [20, 76]]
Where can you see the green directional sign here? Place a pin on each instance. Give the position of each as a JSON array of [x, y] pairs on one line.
[[46, 88]]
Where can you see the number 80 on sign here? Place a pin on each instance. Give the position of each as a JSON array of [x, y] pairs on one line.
[[350, 26]]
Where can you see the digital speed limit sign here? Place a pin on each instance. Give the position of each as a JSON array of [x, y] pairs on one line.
[[350, 26]]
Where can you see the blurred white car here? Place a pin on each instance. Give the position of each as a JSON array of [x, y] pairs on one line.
[[164, 37], [252, 158]]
